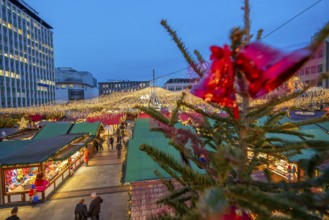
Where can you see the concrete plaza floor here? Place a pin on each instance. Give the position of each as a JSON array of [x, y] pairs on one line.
[[101, 176]]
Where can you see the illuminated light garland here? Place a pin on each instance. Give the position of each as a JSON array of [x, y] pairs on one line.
[[119, 102], [125, 101], [312, 98]]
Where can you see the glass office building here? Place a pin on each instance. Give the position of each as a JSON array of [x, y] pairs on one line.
[[26, 56]]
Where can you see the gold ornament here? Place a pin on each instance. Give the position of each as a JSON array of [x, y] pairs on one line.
[[23, 123]]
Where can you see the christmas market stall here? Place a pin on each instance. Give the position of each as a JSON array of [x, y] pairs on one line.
[[289, 167], [109, 120], [94, 129], [139, 170], [44, 164]]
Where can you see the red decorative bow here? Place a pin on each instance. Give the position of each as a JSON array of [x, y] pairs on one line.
[[265, 69], [218, 85]]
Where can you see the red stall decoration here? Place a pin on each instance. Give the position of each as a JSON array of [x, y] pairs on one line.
[[36, 117], [107, 119]]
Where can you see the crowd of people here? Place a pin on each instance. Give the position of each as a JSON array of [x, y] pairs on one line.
[[82, 213]]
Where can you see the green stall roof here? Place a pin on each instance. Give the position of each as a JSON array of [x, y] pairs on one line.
[[8, 147], [34, 151], [308, 153], [305, 154], [52, 130], [85, 127], [140, 166], [68, 151]]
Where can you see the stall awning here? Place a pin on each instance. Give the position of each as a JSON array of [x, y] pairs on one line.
[[71, 149], [53, 130], [34, 151], [86, 127], [305, 154]]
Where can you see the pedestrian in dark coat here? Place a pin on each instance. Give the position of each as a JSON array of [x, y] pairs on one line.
[[14, 216], [100, 143], [96, 144], [95, 206], [119, 147], [111, 142], [119, 139], [80, 211]]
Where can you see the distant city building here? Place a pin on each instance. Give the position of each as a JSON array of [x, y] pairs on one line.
[[26, 58], [317, 65], [106, 88], [178, 84], [74, 85]]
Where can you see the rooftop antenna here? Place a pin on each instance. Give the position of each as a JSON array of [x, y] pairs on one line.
[[154, 101]]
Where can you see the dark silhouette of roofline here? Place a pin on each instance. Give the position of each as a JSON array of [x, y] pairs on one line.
[[30, 13]]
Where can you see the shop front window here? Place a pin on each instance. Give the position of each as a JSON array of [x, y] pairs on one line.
[[20, 179], [53, 168]]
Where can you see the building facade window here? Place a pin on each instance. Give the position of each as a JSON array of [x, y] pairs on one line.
[[178, 88], [320, 53], [313, 69], [320, 68], [301, 72]]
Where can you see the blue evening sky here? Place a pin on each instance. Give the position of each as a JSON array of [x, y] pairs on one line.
[[124, 39]]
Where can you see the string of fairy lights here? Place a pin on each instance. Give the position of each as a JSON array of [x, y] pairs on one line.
[[118, 102], [125, 101]]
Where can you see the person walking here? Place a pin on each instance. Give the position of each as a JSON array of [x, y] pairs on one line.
[[95, 206], [111, 142], [100, 139], [293, 170], [14, 216], [119, 147], [119, 139], [80, 211], [125, 140], [86, 156], [96, 144]]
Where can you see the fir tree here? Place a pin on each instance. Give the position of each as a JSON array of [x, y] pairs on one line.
[[226, 142]]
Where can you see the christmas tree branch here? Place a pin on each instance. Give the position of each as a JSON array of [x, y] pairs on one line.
[[199, 56], [246, 9], [273, 202], [186, 171], [176, 194], [262, 212], [259, 34], [172, 174], [209, 115], [296, 133], [297, 124], [168, 183], [189, 156], [274, 119], [258, 109], [174, 115], [154, 114], [182, 48]]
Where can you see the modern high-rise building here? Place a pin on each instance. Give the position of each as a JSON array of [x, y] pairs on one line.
[[26, 56], [74, 85]]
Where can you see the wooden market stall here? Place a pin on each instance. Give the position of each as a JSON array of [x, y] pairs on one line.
[[290, 166], [52, 157]]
